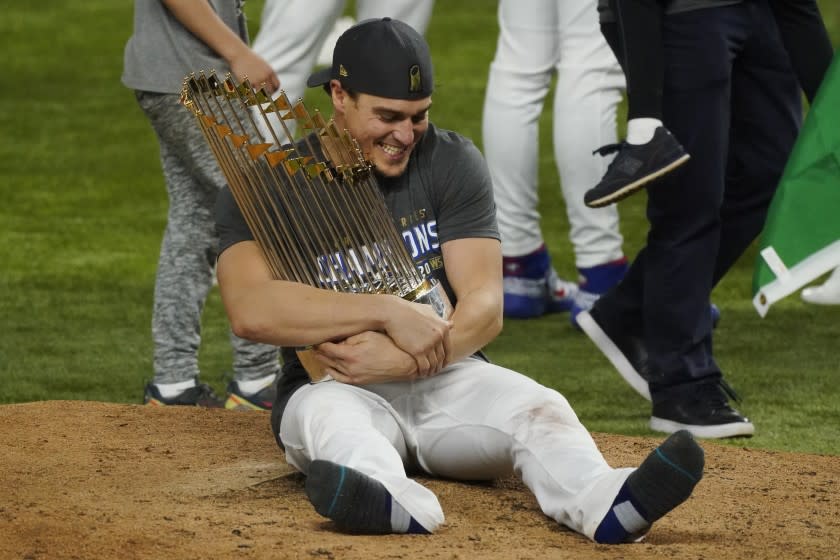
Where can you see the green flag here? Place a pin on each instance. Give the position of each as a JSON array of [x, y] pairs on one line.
[[801, 238]]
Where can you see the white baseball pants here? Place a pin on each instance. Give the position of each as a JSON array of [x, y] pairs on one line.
[[474, 421], [551, 37], [292, 33]]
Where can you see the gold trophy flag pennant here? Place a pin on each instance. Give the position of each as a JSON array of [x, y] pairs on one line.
[[256, 150], [274, 158], [222, 130], [238, 140]]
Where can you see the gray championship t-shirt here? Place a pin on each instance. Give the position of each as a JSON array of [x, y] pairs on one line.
[[445, 194], [161, 52]]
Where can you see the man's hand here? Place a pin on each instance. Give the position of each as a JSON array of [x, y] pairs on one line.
[[368, 357], [201, 19], [419, 331]]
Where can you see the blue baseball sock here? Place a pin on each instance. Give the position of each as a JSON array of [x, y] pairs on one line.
[[598, 279], [664, 480], [533, 265], [625, 522]]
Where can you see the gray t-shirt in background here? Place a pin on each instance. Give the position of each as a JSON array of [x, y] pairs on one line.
[[161, 52]]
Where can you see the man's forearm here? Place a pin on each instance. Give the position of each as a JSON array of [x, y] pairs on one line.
[[287, 313], [476, 322], [202, 21], [292, 314]]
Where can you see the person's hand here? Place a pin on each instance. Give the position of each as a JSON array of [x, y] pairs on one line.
[[251, 65], [368, 357], [419, 331]]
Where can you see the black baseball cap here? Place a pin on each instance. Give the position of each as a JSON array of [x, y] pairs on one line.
[[383, 57]]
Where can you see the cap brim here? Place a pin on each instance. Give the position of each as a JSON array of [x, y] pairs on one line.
[[320, 77]]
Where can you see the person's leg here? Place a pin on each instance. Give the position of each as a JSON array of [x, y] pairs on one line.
[[655, 326], [188, 253], [255, 365], [766, 117], [255, 370], [806, 40], [415, 13], [290, 37], [650, 151], [640, 31], [587, 94], [480, 421], [351, 445], [519, 80], [614, 323], [685, 215]]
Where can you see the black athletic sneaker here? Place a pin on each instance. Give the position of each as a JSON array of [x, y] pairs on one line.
[[261, 400], [625, 351], [200, 395], [705, 412], [635, 166]]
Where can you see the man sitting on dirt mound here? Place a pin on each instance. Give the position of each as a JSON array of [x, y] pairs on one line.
[[408, 388]]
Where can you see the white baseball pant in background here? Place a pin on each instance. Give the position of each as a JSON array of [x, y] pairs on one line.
[[292, 33], [473, 421], [562, 37]]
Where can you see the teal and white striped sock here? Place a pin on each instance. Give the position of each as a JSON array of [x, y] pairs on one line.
[[357, 503]]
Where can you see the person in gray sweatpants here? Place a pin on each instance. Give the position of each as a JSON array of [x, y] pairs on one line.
[[171, 39]]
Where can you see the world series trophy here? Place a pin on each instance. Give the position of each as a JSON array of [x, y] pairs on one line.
[[313, 205]]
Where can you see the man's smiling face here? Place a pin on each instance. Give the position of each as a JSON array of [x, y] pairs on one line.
[[386, 129]]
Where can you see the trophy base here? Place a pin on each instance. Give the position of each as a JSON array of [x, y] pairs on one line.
[[428, 292]]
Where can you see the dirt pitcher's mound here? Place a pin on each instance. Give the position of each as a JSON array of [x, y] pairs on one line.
[[94, 480]]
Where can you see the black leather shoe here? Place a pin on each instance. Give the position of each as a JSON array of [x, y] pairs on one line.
[[625, 351], [705, 412]]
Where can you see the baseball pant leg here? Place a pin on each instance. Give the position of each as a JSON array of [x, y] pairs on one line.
[[416, 13], [357, 428], [481, 421], [586, 97], [290, 37], [519, 80]]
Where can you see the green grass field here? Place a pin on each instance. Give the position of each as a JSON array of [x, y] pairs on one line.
[[84, 207]]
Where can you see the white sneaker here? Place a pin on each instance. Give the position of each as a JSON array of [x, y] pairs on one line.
[[826, 294]]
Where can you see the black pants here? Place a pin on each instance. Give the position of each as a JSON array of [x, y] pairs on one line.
[[733, 100], [637, 42], [806, 40], [638, 46]]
